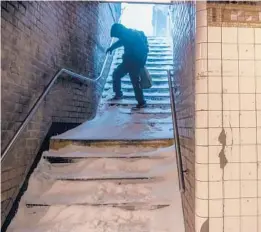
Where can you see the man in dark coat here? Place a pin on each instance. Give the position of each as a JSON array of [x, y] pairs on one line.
[[134, 59]]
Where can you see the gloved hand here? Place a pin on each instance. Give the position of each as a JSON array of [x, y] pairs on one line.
[[109, 50]]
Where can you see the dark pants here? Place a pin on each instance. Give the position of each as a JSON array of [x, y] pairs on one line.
[[134, 72]]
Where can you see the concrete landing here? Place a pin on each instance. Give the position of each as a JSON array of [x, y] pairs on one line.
[[114, 124]]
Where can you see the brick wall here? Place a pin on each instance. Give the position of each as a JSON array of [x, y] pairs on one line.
[[184, 65], [38, 39]]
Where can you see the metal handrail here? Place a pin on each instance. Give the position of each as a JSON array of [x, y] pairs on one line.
[[176, 133], [43, 95], [172, 91]]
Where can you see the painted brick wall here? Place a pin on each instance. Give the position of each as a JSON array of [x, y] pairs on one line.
[[38, 39], [228, 127], [183, 50]]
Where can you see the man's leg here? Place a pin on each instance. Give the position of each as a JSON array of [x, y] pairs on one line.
[[118, 73], [136, 83]]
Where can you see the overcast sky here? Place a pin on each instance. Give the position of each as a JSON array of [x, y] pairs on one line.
[[138, 16]]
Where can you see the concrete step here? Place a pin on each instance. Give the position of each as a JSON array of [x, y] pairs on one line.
[[57, 143], [149, 59], [159, 42], [153, 73], [154, 81], [150, 68], [78, 218], [164, 68], [152, 50], [161, 38], [148, 111], [117, 152], [155, 78], [161, 68], [146, 94], [159, 45], [152, 55], [122, 130], [106, 168], [128, 86], [149, 64], [111, 193], [162, 42], [155, 46], [129, 89], [106, 97], [128, 102]]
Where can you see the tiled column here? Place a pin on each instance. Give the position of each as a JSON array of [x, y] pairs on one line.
[[228, 117]]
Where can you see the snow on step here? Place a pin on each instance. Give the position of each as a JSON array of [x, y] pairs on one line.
[[45, 191], [130, 96], [154, 53], [133, 102], [150, 58], [154, 80], [154, 74], [157, 54], [73, 151], [148, 94], [152, 68], [127, 84], [148, 110], [91, 169], [111, 124], [149, 63], [164, 87], [154, 49], [96, 219]]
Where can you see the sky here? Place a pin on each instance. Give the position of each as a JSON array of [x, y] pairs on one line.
[[138, 16]]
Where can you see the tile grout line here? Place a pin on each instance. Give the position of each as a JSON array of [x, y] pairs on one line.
[[222, 123], [208, 119], [256, 114], [239, 110]]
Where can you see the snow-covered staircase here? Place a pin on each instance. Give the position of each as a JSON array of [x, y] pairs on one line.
[[96, 189], [116, 173], [159, 61], [116, 121]]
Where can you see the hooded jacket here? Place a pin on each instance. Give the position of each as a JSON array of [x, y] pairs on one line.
[[135, 44]]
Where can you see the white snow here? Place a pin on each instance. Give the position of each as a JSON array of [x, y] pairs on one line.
[[96, 219], [119, 122], [110, 152], [109, 168], [115, 125], [74, 205], [113, 188]]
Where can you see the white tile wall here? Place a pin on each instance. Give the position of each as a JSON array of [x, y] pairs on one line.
[[216, 190], [231, 224], [248, 224], [232, 207], [228, 138], [216, 224], [231, 189]]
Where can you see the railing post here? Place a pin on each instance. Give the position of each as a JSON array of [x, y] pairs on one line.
[[176, 135]]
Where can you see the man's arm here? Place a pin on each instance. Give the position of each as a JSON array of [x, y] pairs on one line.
[[114, 46]]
